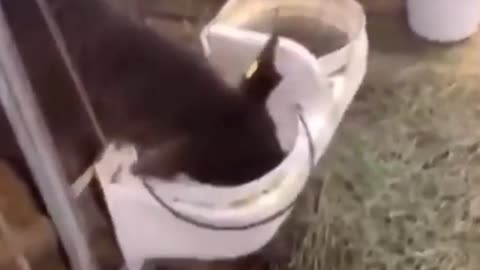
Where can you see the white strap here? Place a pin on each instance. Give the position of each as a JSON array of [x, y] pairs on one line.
[[83, 181]]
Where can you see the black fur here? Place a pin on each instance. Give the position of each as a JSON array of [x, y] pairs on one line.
[[145, 90]]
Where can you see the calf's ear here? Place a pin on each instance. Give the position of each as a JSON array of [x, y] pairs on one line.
[[262, 77]]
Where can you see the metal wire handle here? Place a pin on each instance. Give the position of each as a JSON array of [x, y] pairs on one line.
[[204, 225]]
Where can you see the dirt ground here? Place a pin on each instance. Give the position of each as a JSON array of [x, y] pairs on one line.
[[399, 187]]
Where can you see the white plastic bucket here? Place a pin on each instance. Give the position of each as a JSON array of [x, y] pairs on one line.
[[345, 66], [186, 220], [444, 20]]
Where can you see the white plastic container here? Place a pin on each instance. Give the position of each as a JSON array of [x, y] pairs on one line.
[[185, 220], [444, 20], [223, 222], [345, 66]]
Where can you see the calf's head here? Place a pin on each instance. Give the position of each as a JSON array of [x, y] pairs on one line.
[[238, 145]]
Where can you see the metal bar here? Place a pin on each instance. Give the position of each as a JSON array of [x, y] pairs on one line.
[[21, 108]]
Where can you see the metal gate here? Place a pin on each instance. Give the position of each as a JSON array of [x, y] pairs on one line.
[[28, 124]]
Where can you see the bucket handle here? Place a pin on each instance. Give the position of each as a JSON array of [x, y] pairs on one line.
[[204, 225]]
